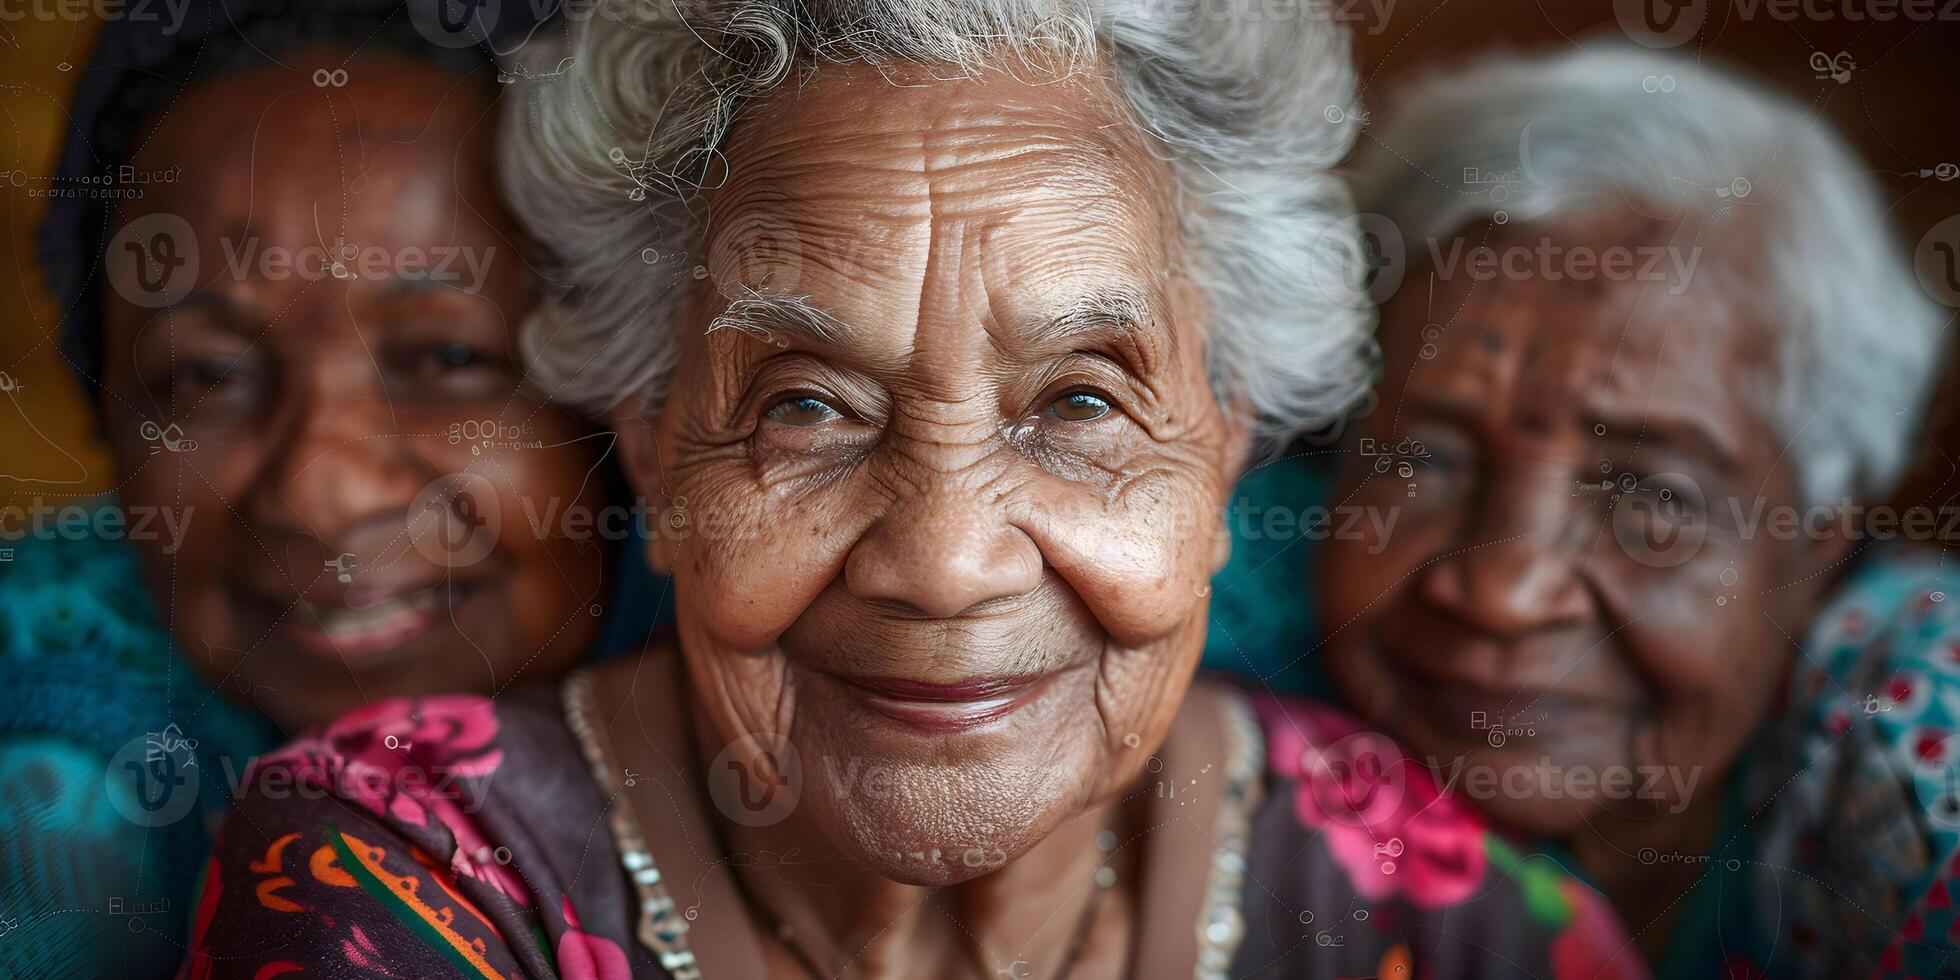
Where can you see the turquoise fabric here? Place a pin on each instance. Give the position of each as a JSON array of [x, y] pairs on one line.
[[89, 677], [1262, 612]]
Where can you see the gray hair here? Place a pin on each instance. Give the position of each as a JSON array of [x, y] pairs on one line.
[[610, 144], [1859, 344]]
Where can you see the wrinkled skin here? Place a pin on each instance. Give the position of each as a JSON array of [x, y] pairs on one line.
[[321, 407], [962, 484], [1503, 589]]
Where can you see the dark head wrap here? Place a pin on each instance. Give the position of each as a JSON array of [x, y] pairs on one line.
[[141, 63]]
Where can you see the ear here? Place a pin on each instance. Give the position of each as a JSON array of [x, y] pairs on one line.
[[637, 435], [1238, 450]]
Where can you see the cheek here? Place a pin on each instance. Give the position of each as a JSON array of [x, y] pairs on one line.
[[750, 561], [179, 508], [183, 530], [551, 488], [1139, 553], [1138, 693], [1366, 562], [1715, 666]]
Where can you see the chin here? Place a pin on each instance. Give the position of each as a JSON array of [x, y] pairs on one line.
[[1536, 818], [922, 820], [927, 832]]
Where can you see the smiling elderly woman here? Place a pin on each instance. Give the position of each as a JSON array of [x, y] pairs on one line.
[[942, 330], [1581, 594]]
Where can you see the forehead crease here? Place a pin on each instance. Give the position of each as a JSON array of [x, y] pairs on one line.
[[949, 175]]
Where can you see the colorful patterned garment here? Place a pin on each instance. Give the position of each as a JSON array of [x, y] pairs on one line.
[[93, 685], [1859, 851], [1337, 858]]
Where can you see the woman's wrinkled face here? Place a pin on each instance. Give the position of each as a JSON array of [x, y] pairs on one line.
[[950, 519], [1638, 632], [306, 422]]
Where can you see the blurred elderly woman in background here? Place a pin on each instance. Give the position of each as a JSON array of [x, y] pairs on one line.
[[292, 410], [942, 330], [1649, 308]]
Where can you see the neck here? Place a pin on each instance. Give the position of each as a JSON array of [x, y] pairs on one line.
[[1648, 895], [1031, 917], [1026, 919]]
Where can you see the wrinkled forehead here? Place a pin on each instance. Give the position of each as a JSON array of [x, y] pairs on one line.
[[1605, 313], [383, 157], [966, 133], [858, 188]]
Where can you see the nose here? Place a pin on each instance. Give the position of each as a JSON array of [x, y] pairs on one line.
[[1518, 573], [336, 463], [942, 549]]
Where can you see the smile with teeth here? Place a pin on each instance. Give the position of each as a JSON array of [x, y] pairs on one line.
[[347, 631]]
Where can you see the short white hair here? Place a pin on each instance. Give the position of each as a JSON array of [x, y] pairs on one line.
[[1859, 344], [609, 143]]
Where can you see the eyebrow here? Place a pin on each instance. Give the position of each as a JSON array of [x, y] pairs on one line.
[[769, 318], [226, 315], [1118, 309], [1683, 435], [1461, 411], [397, 287], [764, 316]]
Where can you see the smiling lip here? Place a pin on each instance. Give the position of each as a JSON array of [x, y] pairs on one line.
[[1453, 704], [367, 624], [941, 708]]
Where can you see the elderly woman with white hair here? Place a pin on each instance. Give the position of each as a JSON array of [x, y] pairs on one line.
[[941, 330], [1651, 334]]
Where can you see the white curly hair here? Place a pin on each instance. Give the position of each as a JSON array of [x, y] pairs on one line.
[[613, 138], [1858, 344]]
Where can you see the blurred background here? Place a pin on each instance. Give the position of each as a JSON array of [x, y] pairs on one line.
[[1886, 82]]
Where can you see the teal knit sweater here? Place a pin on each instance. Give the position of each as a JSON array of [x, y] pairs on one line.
[[88, 676]]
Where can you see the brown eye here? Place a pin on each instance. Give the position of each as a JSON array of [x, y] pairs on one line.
[[215, 384], [802, 410], [1079, 406]]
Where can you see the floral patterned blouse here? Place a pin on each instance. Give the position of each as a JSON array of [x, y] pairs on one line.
[[383, 846], [1859, 842]]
